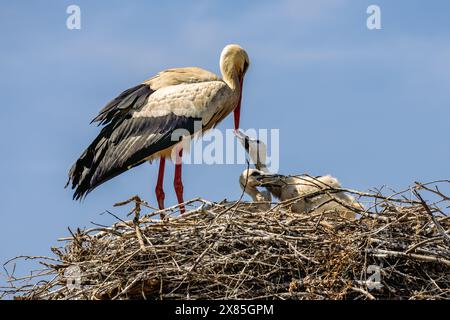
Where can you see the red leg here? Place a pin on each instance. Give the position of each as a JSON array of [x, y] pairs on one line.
[[178, 184], [159, 185]]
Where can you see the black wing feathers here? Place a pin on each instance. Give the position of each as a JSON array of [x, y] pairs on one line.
[[125, 141], [132, 98], [119, 148]]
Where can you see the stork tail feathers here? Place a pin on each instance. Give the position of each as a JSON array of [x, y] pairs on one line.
[[81, 172]]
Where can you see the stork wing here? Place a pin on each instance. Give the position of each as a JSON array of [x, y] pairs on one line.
[[132, 137], [119, 148], [131, 98], [171, 77], [136, 97]]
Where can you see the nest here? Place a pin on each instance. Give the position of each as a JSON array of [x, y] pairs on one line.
[[397, 248]]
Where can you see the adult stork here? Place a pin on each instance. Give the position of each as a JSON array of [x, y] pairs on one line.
[[140, 124]]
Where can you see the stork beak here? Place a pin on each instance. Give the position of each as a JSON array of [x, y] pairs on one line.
[[237, 110], [268, 179], [240, 135], [243, 139], [237, 116]]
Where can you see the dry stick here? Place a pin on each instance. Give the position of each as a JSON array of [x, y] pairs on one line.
[[137, 211], [32, 258], [128, 223], [187, 274], [239, 281], [236, 204], [135, 198], [199, 259], [364, 292], [139, 236], [115, 269], [302, 255], [126, 288], [158, 211], [388, 224], [177, 206], [436, 192], [115, 216], [415, 246], [439, 227], [410, 255], [75, 238]]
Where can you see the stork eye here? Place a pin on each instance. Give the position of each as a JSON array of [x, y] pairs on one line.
[[247, 143], [245, 66]]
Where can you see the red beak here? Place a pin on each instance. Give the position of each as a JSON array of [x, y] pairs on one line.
[[237, 110]]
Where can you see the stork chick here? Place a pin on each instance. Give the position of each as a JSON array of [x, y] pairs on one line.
[[248, 180], [310, 192]]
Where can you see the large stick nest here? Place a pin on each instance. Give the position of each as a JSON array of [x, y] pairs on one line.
[[398, 248]]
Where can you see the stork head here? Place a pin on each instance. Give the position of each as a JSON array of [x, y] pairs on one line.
[[256, 149], [234, 62], [249, 180]]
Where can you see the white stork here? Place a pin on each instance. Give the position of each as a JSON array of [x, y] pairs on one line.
[[138, 124], [291, 187], [313, 193], [310, 192], [249, 182]]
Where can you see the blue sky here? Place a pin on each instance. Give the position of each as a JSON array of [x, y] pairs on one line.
[[370, 107]]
